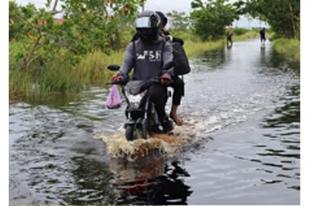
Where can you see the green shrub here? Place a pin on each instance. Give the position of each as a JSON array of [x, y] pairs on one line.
[[250, 34], [290, 48], [92, 69], [42, 76], [240, 31], [210, 18]]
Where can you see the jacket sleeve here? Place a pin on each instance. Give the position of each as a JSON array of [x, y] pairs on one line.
[[178, 40], [135, 37], [128, 61], [168, 63]]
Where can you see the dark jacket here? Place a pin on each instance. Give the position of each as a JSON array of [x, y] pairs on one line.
[[148, 59]]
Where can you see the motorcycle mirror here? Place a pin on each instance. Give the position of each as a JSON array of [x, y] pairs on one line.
[[113, 67]]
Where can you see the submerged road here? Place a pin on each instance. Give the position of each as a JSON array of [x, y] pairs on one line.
[[246, 104]]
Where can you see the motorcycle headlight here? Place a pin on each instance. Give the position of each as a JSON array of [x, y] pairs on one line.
[[135, 100]]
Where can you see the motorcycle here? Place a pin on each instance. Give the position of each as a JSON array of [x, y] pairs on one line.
[[140, 112]]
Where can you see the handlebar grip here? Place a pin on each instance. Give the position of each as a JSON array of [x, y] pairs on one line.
[[121, 82]]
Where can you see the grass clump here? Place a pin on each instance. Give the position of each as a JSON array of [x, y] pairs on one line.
[[61, 72], [289, 48], [92, 69], [60, 75], [194, 46]]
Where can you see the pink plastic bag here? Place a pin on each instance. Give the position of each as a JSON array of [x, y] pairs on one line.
[[113, 99]]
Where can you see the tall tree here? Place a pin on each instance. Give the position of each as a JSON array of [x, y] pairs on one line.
[[87, 26], [282, 15], [179, 20], [211, 18]]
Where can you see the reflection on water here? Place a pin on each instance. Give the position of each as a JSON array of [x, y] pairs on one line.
[[271, 62], [287, 113], [283, 129], [213, 60], [150, 180], [92, 183]]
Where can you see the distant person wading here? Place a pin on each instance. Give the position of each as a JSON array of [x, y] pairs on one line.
[[229, 34], [263, 36]]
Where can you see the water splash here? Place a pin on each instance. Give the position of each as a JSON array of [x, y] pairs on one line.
[[169, 144]]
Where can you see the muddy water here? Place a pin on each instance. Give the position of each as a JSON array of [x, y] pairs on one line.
[[243, 108]]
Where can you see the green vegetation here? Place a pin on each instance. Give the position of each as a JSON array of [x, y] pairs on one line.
[[63, 56], [282, 15], [211, 18], [180, 21], [60, 75], [49, 55], [288, 48], [198, 47], [204, 29], [249, 34], [284, 18]]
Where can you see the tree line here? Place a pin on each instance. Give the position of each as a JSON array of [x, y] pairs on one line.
[[208, 19], [48, 52], [89, 25], [84, 26]]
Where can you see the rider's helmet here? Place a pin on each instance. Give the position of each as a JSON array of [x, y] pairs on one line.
[[163, 18], [147, 25]]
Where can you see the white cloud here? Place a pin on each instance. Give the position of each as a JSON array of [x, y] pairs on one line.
[[169, 5], [38, 3]]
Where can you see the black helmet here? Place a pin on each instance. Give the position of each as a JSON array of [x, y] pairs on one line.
[[147, 25], [162, 17]]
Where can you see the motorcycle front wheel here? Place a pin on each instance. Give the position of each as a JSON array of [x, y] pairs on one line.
[[130, 134], [144, 128]]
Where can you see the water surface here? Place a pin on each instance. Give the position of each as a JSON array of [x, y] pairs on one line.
[[245, 104]]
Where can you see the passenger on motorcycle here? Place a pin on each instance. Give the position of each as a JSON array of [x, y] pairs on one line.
[[178, 84], [150, 56]]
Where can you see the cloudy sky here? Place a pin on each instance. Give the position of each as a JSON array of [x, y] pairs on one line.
[[167, 6]]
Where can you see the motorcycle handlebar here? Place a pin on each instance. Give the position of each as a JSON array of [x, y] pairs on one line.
[[150, 81]]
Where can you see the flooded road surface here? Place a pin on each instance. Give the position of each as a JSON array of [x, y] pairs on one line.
[[245, 105]]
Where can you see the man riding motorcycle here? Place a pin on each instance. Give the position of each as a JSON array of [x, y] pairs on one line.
[[177, 83], [150, 56]]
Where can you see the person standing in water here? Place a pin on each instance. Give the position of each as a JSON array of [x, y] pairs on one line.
[[229, 34], [263, 36]]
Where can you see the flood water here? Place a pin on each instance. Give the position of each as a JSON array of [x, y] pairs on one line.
[[245, 105]]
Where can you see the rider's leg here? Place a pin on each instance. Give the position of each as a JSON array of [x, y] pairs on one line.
[[179, 88], [158, 95], [229, 41]]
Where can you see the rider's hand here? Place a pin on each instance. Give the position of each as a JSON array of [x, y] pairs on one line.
[[165, 79], [117, 78], [169, 38]]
